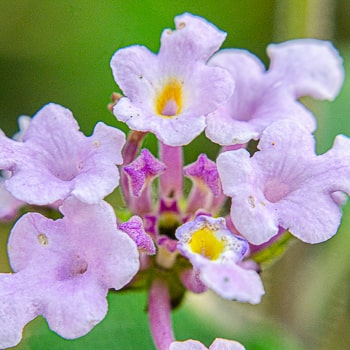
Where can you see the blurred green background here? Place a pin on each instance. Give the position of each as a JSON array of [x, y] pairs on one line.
[[59, 51]]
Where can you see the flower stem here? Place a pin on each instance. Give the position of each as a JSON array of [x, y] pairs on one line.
[[171, 181], [159, 310]]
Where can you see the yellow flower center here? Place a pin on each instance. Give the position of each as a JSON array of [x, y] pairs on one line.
[[169, 100], [205, 243]]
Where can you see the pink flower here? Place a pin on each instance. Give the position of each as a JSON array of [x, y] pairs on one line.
[[54, 160], [285, 184], [170, 93], [216, 254], [305, 67], [63, 270]]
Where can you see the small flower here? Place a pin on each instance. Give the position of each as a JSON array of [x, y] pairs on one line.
[[63, 270], [286, 184], [216, 253], [53, 159], [218, 344], [170, 93], [305, 67]]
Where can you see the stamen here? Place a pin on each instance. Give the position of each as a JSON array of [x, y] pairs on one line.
[[169, 101]]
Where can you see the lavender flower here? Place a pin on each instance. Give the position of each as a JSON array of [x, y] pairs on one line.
[[285, 184], [63, 270], [216, 253], [305, 67], [54, 159], [170, 93]]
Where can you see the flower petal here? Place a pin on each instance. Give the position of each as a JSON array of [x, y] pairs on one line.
[[17, 308], [233, 282], [73, 308], [310, 67], [224, 344], [134, 68], [187, 345], [250, 212], [197, 38]]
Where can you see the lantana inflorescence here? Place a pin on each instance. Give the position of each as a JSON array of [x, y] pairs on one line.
[[167, 234]]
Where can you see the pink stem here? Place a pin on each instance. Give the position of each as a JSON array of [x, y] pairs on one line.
[[159, 312], [171, 181]]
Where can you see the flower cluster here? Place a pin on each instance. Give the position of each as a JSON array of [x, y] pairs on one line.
[[169, 239]]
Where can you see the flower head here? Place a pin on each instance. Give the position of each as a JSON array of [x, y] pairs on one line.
[[285, 184], [54, 159], [63, 270], [305, 67], [216, 253], [170, 93]]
